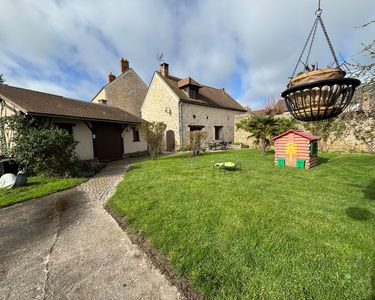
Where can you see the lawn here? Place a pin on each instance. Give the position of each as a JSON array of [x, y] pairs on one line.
[[36, 187], [263, 233]]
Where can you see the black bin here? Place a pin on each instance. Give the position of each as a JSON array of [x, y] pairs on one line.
[[8, 165]]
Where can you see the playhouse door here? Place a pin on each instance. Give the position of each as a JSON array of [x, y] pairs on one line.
[[291, 151]]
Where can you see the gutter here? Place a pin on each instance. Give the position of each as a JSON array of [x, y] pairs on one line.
[[180, 122]]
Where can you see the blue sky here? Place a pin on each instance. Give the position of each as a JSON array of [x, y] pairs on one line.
[[249, 47]]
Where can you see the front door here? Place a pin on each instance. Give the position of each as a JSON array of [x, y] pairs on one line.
[[108, 143], [171, 141]]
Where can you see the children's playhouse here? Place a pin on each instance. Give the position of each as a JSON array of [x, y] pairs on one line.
[[296, 148]]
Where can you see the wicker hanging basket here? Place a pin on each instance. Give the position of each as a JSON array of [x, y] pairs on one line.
[[319, 94]]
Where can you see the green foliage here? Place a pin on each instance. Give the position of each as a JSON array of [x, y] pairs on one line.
[[263, 128], [36, 187], [196, 141], [153, 132], [331, 129], [263, 233], [42, 150]]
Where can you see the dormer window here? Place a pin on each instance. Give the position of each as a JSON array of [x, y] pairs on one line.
[[190, 87]]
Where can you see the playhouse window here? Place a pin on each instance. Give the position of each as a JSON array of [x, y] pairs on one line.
[[313, 148]]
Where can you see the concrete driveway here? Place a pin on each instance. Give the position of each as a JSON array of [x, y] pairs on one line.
[[66, 246]]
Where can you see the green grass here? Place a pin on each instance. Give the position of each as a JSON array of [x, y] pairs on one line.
[[36, 187], [263, 233]]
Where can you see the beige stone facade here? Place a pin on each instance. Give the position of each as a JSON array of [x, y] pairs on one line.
[[127, 92], [163, 105], [209, 118]]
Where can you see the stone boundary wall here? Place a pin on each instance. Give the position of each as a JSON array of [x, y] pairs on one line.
[[346, 143]]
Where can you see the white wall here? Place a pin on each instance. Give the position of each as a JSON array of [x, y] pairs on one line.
[[129, 145]]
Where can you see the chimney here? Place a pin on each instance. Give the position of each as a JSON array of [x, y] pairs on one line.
[[164, 69], [111, 77], [124, 64]]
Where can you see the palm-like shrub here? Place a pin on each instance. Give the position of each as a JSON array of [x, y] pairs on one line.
[[262, 128]]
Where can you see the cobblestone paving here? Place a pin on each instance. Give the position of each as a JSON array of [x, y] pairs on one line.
[[103, 184]]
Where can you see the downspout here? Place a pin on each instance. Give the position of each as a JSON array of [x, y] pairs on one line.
[[180, 122]]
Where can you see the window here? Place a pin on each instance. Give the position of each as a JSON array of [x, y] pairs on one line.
[[219, 132], [194, 117], [195, 127], [135, 134], [313, 148], [66, 126]]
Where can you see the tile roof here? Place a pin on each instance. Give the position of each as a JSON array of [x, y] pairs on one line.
[[302, 133], [187, 81], [208, 96], [39, 103]]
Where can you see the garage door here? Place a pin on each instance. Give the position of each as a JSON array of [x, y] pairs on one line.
[[108, 141]]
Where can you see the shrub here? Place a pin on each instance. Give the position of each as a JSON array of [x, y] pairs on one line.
[[42, 150], [196, 142], [153, 133]]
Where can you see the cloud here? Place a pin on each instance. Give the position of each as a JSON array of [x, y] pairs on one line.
[[248, 47]]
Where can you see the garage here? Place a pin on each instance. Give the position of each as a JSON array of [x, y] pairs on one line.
[[108, 142]]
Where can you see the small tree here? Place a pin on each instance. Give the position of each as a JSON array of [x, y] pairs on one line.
[[262, 128], [196, 141], [153, 133], [2, 79]]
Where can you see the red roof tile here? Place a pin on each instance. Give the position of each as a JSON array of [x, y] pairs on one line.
[[302, 133]]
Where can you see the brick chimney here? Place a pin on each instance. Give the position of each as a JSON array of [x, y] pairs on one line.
[[111, 77], [164, 69], [124, 64]]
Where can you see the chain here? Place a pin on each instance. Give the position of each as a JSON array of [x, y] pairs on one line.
[[304, 48], [311, 43], [328, 40]]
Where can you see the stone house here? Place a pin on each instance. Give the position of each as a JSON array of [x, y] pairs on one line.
[[185, 105], [102, 132], [126, 91]]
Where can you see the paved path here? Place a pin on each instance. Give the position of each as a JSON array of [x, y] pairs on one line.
[[66, 246]]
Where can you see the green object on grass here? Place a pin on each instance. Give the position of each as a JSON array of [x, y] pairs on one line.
[[227, 164], [300, 164], [281, 162]]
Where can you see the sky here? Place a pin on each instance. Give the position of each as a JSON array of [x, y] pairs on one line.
[[248, 47]]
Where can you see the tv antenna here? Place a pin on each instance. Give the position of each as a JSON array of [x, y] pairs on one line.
[[159, 57]]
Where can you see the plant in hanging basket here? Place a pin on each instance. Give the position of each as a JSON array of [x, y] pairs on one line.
[[315, 75]]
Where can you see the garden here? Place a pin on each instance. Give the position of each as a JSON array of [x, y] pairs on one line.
[[262, 232]]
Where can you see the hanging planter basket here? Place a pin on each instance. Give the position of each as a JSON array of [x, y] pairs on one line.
[[320, 99], [322, 93]]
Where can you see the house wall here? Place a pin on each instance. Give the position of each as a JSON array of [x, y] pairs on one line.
[[126, 92], [8, 134], [130, 146], [82, 134], [161, 105], [209, 117], [100, 96]]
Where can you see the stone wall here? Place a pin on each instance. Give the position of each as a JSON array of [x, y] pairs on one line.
[[161, 105], [209, 117], [126, 92], [346, 143]]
